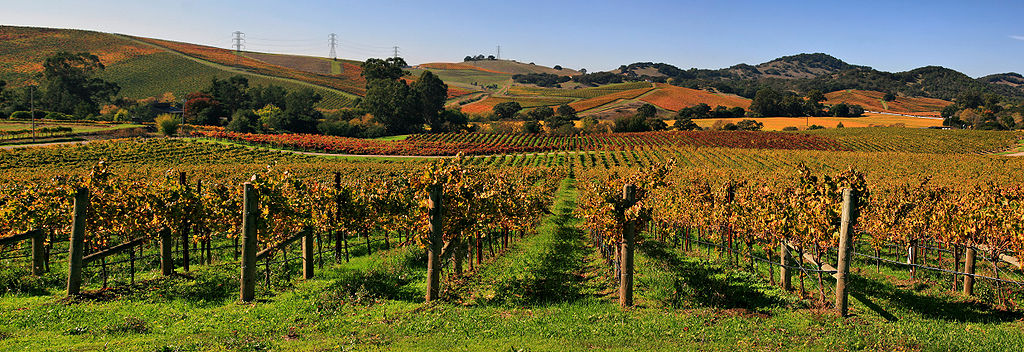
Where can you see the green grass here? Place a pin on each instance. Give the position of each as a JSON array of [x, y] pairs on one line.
[[467, 77], [400, 137], [153, 75]]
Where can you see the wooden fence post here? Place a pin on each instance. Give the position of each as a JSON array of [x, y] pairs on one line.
[[628, 237], [969, 269], [249, 213], [77, 245], [184, 227], [38, 252], [307, 254], [436, 213], [166, 252], [845, 246], [337, 217], [912, 258], [784, 276]]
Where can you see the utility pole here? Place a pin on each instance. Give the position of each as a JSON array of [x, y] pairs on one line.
[[333, 39], [499, 52], [238, 40], [396, 51]]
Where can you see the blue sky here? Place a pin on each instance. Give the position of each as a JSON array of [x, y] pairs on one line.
[[975, 37]]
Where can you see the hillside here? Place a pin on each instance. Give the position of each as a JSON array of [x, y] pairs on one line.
[[805, 72], [792, 67], [143, 68], [673, 98], [515, 67], [872, 101]]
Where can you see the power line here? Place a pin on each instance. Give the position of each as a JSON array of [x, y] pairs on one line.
[[334, 41], [239, 41]]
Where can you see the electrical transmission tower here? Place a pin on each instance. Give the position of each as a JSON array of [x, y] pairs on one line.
[[396, 51], [334, 42], [499, 52], [238, 40]]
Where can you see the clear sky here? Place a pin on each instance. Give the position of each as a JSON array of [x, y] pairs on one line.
[[976, 37]]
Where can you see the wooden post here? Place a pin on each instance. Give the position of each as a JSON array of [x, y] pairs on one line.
[[845, 245], [436, 213], [912, 258], [307, 255], [479, 250], [184, 227], [249, 214], [628, 237], [337, 217], [38, 252], [77, 245], [166, 250], [369, 250], [969, 269], [784, 277]]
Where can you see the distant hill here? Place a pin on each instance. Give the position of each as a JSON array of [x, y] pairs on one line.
[[1011, 79], [145, 68], [149, 67], [805, 72], [515, 67]]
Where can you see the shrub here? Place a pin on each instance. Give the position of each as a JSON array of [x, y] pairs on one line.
[[167, 124], [790, 128], [816, 127]]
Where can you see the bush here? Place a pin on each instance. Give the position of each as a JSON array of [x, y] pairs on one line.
[[167, 124], [816, 127], [790, 128], [749, 125], [53, 115]]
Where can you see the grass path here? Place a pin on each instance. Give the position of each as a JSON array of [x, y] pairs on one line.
[[549, 267]]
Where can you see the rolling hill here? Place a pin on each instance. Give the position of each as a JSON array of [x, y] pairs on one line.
[[515, 67], [144, 68], [149, 67], [872, 101]]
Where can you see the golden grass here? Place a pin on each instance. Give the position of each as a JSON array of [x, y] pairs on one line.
[[868, 120]]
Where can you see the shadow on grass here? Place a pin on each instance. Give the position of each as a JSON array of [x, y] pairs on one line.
[[867, 290], [553, 276], [705, 283], [390, 278]]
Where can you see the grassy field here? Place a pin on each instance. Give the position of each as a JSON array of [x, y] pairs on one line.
[[868, 120], [472, 79], [153, 75]]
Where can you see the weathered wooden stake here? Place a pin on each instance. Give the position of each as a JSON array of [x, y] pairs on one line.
[[38, 253], [308, 247], [185, 227], [249, 214], [784, 277], [166, 250], [845, 244], [434, 249], [969, 269], [77, 245], [628, 237]]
